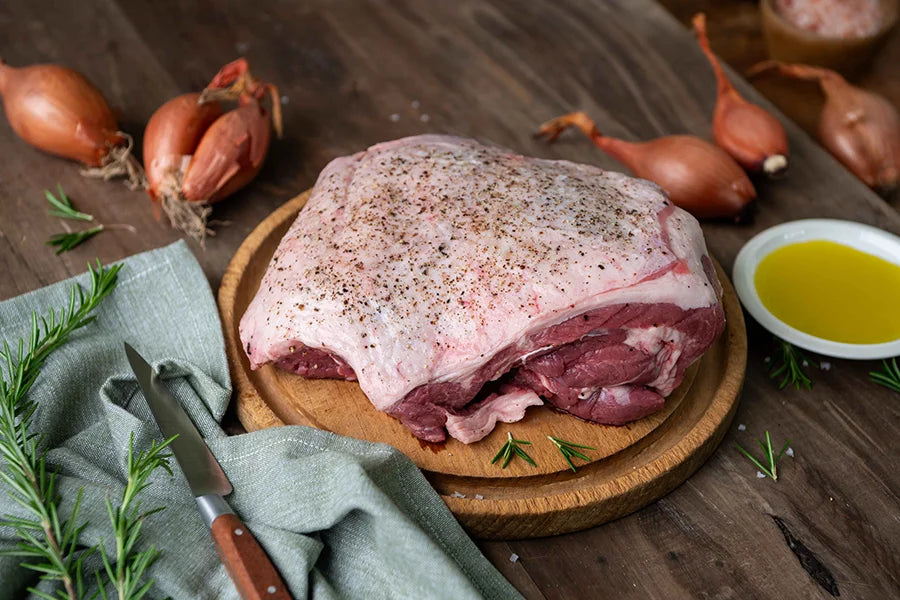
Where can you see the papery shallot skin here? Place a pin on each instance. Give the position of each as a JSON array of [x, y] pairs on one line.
[[171, 137], [229, 155], [428, 266]]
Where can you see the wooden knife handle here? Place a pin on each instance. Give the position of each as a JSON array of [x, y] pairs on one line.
[[254, 575]]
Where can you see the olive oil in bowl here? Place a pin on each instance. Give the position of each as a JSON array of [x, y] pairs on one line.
[[831, 291]]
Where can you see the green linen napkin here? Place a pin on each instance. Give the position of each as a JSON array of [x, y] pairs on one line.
[[339, 517]]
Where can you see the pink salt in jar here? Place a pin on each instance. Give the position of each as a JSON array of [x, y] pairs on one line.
[[834, 18]]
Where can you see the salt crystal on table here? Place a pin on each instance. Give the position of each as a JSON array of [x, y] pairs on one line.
[[513, 557], [767, 359], [424, 118], [825, 365], [415, 104], [760, 475], [285, 99], [742, 427], [457, 495], [395, 117], [805, 363], [242, 47], [790, 452], [479, 497]]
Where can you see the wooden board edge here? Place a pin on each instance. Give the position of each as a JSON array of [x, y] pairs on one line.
[[252, 412]]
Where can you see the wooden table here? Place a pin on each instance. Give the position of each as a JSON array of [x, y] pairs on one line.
[[495, 70]]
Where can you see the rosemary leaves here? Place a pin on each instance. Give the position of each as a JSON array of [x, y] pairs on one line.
[[770, 468], [62, 206], [568, 450], [510, 449], [64, 209], [48, 542], [889, 376], [126, 575], [66, 241], [789, 364]]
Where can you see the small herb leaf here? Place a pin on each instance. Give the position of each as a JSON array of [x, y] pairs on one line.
[[769, 469], [790, 365], [570, 444], [511, 448], [66, 241], [579, 455], [889, 376], [525, 456], [567, 449], [63, 206]]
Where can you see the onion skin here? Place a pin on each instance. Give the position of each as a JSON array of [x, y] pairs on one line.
[[171, 136], [698, 176], [58, 111], [229, 155], [860, 128], [748, 132]]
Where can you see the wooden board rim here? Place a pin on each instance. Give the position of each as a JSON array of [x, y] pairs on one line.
[[561, 506]]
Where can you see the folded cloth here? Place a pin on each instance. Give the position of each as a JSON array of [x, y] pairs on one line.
[[339, 517]]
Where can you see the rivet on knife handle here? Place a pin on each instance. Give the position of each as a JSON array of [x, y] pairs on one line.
[[253, 573]]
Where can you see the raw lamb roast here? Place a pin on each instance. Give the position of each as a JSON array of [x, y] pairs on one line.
[[461, 283]]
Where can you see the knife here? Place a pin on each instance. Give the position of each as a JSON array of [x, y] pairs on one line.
[[254, 575]]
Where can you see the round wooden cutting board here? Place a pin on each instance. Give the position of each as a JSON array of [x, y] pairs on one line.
[[632, 465]]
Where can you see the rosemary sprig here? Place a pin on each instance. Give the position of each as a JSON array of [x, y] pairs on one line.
[[889, 376], [62, 206], [47, 542], [790, 364], [126, 575], [66, 241], [568, 450], [771, 468], [511, 448]]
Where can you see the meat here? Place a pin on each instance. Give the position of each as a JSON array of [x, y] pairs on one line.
[[459, 283]]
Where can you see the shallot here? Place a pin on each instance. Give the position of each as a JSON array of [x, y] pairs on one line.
[[171, 136], [197, 155], [59, 111], [698, 176], [860, 128], [748, 132]]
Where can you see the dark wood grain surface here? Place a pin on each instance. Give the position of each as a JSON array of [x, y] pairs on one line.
[[495, 70]]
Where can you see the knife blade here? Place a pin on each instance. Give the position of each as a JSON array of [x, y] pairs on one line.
[[200, 467], [253, 574]]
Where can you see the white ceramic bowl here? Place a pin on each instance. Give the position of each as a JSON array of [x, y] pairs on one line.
[[856, 235]]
